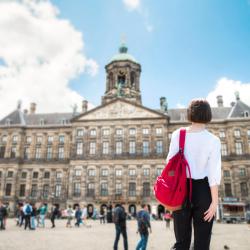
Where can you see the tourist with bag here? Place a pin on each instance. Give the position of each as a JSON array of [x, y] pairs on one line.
[[119, 218], [144, 227], [188, 185], [27, 210]]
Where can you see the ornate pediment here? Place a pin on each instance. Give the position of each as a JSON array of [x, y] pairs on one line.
[[119, 109]]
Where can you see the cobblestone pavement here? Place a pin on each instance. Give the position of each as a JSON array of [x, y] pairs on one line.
[[100, 237]]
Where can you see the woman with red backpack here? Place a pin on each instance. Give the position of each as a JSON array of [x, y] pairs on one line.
[[203, 156]]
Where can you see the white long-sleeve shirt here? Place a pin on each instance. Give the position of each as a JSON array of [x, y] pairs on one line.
[[202, 151]]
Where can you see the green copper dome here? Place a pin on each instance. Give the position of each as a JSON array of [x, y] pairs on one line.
[[123, 55]]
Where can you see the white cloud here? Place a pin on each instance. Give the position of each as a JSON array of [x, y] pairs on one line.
[[39, 54], [180, 106], [227, 88], [132, 4]]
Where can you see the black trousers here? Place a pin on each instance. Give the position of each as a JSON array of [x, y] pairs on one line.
[[27, 221], [121, 230], [194, 212]]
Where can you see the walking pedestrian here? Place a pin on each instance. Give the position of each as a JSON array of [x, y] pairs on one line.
[[202, 151], [167, 218], [69, 213], [144, 227], [78, 216], [42, 214], [54, 213], [102, 215], [119, 219], [3, 216], [27, 210], [33, 217]]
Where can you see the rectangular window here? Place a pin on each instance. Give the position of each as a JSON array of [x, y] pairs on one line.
[[223, 149], [105, 148], [244, 189], [49, 153], [22, 190], [158, 171], [242, 172], [39, 139], [79, 132], [45, 191], [35, 175], [14, 138], [77, 189], [228, 190], [118, 148], [132, 149], [132, 131], [145, 147], [38, 153], [169, 136], [26, 153], [132, 189], [146, 171], [226, 173], [119, 131], [93, 132], [248, 133], [91, 172], [118, 172], [90, 189], [28, 139], [78, 172], [61, 139], [33, 190], [79, 148], [145, 131], [59, 175], [2, 151], [10, 174], [118, 188], [46, 175], [159, 147], [8, 189], [132, 172], [237, 133], [50, 139], [58, 190], [13, 152], [92, 148], [146, 189], [105, 132], [238, 148], [104, 172], [24, 175], [158, 131], [4, 139], [222, 134], [61, 153], [104, 189]]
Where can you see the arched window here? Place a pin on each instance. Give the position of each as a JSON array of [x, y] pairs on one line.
[[111, 81], [132, 79]]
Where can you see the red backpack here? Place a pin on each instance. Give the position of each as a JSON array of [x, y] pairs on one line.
[[170, 188]]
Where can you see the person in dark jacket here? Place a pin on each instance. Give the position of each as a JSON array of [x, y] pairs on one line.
[[119, 219], [3, 216], [33, 217], [143, 221], [54, 214], [78, 216]]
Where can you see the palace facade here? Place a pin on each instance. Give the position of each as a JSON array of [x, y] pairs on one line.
[[114, 152]]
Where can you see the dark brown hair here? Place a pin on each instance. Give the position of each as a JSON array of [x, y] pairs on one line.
[[199, 111]]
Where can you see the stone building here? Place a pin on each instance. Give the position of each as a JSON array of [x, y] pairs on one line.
[[112, 153]]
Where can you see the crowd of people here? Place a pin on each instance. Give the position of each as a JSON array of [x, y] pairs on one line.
[[31, 217]]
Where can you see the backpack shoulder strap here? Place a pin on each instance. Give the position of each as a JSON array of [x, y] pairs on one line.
[[182, 139]]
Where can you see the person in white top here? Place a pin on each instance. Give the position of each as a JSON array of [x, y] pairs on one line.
[[202, 151]]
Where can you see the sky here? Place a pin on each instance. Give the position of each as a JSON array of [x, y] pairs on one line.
[[54, 52]]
